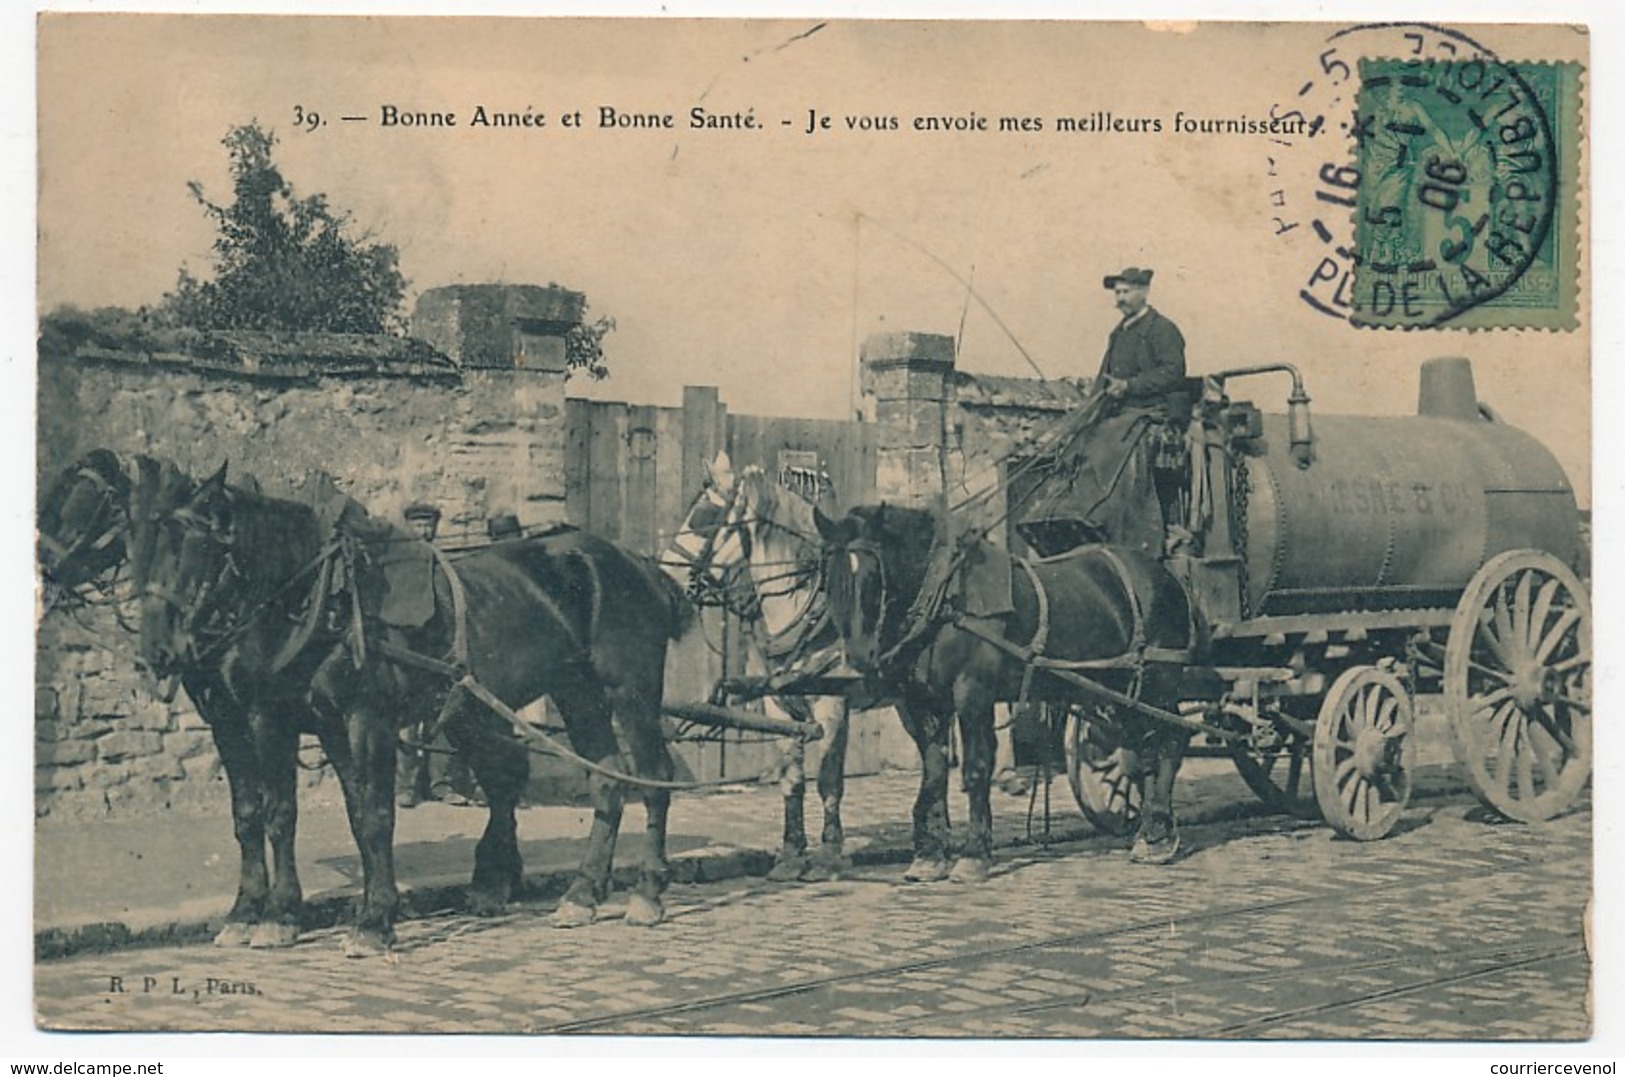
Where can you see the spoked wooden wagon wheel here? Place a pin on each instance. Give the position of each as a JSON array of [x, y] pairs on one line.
[[1109, 796], [1517, 685], [1365, 752]]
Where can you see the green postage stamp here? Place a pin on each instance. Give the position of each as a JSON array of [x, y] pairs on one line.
[[1466, 208]]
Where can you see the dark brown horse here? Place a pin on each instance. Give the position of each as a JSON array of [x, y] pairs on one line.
[[84, 518], [1094, 611], [99, 517], [567, 615]]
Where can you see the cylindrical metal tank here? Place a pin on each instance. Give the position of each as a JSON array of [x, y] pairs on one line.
[[1393, 512]]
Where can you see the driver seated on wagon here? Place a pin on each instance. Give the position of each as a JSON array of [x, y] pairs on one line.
[[1118, 475]]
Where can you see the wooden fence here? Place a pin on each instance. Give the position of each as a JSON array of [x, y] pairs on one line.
[[631, 472]]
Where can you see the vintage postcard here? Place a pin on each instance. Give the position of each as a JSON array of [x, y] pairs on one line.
[[1020, 530]]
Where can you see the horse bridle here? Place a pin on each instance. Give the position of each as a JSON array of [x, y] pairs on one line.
[[116, 520], [861, 547], [698, 565], [733, 520], [193, 612]]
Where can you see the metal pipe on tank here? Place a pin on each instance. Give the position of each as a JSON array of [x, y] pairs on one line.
[[1301, 432]]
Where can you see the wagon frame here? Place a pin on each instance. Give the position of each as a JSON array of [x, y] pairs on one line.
[[1317, 709]]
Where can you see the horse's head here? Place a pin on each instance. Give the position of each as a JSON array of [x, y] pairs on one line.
[[707, 552], [84, 523], [875, 562], [182, 553]]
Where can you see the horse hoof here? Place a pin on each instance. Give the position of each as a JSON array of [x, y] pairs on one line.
[[644, 911], [787, 869], [926, 871], [827, 865], [1162, 852], [970, 870], [570, 914], [273, 936], [485, 903], [1013, 781], [358, 943], [235, 933]]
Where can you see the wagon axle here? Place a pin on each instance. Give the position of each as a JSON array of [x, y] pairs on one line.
[[1534, 684], [1378, 758]]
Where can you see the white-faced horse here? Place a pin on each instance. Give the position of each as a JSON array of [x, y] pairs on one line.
[[749, 544]]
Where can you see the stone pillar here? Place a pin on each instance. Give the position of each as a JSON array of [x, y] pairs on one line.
[[499, 326], [509, 340], [907, 389]]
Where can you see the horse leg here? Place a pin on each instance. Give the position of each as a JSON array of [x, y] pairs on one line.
[[931, 828], [502, 768], [639, 711], [243, 781], [791, 860], [364, 759], [974, 705], [831, 860], [587, 719], [1158, 839], [277, 743]]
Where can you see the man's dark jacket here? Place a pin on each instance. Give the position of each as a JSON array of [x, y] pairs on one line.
[[1150, 356]]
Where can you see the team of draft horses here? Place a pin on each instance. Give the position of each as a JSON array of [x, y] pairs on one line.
[[283, 618]]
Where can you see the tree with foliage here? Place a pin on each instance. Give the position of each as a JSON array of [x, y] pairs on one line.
[[284, 262], [584, 348]]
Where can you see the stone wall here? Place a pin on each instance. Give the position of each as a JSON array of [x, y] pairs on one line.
[[393, 421], [945, 435], [440, 417]]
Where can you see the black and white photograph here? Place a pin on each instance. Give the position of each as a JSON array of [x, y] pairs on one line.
[[833, 531]]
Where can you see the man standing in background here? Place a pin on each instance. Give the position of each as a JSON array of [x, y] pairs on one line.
[[429, 771]]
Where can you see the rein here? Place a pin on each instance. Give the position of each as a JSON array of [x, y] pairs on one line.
[[116, 521], [458, 670], [234, 631], [877, 554]]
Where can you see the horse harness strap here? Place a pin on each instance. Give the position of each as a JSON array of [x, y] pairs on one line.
[[459, 608], [791, 644], [110, 532], [457, 668], [1040, 638], [317, 564], [1134, 658]]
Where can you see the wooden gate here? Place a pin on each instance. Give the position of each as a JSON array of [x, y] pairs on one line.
[[632, 470]]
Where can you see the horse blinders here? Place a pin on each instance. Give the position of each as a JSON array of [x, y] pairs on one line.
[[858, 598], [197, 551]]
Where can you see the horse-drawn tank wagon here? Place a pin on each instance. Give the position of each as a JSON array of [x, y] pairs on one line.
[[1341, 566], [1304, 580]]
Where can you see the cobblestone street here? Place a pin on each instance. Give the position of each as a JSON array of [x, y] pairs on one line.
[[1454, 928]]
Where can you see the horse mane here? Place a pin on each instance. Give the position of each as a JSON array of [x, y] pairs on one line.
[[272, 539], [785, 506], [905, 536]]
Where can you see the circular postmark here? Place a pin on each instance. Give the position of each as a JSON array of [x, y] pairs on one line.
[[1440, 208]]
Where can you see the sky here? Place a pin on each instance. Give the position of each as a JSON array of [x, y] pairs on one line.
[[759, 260]]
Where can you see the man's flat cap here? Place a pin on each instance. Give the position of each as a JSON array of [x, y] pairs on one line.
[[420, 510], [1131, 275]]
